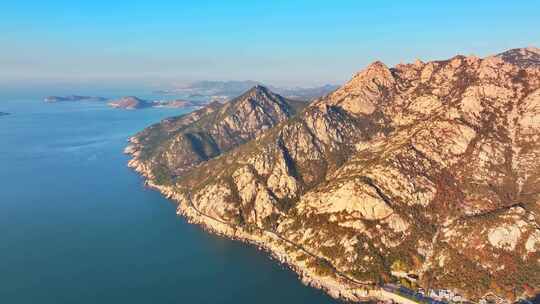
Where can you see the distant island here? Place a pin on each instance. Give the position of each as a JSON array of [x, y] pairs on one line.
[[130, 103], [73, 98], [134, 103], [3, 113]]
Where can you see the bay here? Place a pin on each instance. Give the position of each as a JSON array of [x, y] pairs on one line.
[[77, 226]]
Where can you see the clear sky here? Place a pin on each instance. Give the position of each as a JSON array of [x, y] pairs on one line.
[[279, 42]]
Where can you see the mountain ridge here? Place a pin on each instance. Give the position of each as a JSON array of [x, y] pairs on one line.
[[528, 57], [217, 128], [414, 169]]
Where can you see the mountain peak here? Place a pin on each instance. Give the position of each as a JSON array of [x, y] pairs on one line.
[[533, 49], [257, 92], [365, 90], [375, 71], [259, 88]]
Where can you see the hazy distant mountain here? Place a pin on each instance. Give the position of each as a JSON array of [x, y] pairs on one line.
[[134, 103], [73, 98], [523, 57], [178, 103], [213, 88], [306, 93], [230, 89]]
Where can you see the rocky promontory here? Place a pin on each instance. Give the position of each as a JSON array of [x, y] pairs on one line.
[[423, 175]]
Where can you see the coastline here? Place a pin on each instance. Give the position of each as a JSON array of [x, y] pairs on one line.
[[336, 286]]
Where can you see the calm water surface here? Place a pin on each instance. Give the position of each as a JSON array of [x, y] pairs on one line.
[[76, 225]]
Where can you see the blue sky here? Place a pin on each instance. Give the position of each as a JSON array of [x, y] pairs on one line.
[[280, 42]]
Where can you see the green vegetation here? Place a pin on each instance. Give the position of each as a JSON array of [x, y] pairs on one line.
[[162, 176], [322, 267]]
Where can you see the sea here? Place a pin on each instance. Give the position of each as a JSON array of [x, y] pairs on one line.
[[78, 226]]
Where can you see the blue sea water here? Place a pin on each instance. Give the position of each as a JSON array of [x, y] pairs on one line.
[[77, 226]]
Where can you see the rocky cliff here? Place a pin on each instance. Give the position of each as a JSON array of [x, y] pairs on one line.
[[424, 174]]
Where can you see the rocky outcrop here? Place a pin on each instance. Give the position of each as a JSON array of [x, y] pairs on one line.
[[428, 166]]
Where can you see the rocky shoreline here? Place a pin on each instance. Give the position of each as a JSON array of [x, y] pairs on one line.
[[334, 286]]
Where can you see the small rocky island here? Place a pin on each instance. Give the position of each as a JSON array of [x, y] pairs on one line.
[[73, 98], [130, 103]]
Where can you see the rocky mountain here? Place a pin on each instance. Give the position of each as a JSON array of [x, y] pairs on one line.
[[523, 57], [424, 174], [213, 130], [73, 98]]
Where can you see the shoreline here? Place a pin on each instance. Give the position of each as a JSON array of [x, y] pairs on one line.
[[338, 288]]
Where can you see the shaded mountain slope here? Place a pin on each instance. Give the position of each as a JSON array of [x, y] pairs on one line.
[[524, 57], [179, 143]]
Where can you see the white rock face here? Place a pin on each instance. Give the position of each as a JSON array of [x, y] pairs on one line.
[[246, 184], [354, 198], [397, 223], [213, 200], [533, 242], [445, 149], [362, 94], [504, 237], [530, 121], [282, 184], [254, 195]]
